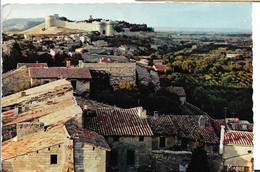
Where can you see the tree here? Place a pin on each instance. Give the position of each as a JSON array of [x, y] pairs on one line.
[[199, 156]]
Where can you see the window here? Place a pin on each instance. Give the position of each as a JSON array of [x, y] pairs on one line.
[[141, 138], [113, 157], [104, 32], [73, 83], [130, 157], [54, 159], [115, 139], [162, 142]]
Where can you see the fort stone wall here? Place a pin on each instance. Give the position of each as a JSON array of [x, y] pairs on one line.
[[104, 27]]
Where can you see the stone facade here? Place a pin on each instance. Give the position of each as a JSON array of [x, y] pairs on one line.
[[117, 71], [105, 27], [141, 151], [170, 142], [238, 157], [27, 128], [168, 161], [89, 158], [41, 160]]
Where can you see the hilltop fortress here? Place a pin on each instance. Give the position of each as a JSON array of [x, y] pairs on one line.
[[105, 27]]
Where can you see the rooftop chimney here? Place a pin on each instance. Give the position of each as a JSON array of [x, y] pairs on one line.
[[221, 141], [68, 64], [142, 112], [155, 114], [23, 93]]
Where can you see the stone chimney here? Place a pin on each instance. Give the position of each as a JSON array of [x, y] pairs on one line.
[[142, 112], [221, 141], [27, 128], [68, 64], [155, 114], [80, 63], [23, 93]]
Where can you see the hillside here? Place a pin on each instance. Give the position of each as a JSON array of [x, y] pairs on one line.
[[40, 29], [19, 24]]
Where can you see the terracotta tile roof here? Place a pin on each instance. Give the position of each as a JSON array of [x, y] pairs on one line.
[[188, 126], [58, 87], [105, 61], [239, 138], [119, 122], [42, 109], [162, 125], [159, 60], [11, 148], [32, 65], [160, 67], [60, 72], [216, 124], [88, 136]]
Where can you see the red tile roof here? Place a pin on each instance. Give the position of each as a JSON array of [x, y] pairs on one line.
[[11, 148], [60, 72], [119, 122], [105, 61], [162, 125], [160, 67], [188, 127], [239, 138], [88, 136]]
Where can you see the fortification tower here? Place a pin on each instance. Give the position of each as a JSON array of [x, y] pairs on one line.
[[49, 21], [109, 28]]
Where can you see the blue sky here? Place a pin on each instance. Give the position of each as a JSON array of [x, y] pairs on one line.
[[177, 15]]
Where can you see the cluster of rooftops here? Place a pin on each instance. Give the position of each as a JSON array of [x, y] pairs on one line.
[[54, 106]]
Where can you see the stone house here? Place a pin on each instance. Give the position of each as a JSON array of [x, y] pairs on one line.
[[79, 78], [236, 148], [116, 71], [54, 150], [42, 129], [128, 134]]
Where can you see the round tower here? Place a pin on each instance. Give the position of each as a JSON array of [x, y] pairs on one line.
[[109, 28], [48, 21]]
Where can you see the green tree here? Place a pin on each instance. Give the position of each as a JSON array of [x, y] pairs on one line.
[[199, 156]]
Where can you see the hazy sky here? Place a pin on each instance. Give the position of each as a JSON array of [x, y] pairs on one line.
[[184, 15]]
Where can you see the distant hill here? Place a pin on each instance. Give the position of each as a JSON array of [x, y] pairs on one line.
[[21, 24]]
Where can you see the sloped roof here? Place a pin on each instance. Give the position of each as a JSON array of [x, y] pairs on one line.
[[38, 141], [88, 136], [40, 92], [162, 125], [119, 122], [160, 67], [60, 72], [242, 138], [188, 127]]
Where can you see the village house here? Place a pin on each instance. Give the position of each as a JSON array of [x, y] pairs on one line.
[[79, 77], [116, 71], [157, 62], [48, 132], [236, 148], [160, 68], [128, 134], [56, 149]]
